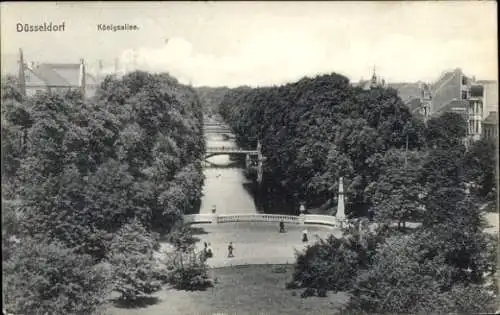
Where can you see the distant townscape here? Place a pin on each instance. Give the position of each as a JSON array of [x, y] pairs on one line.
[[476, 100]]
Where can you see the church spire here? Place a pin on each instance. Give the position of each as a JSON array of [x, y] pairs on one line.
[[373, 82]]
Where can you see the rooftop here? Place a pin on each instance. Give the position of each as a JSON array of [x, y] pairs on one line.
[[61, 74], [492, 119]]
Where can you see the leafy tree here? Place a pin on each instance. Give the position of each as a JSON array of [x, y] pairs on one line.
[[299, 123], [406, 277], [185, 269], [333, 263], [131, 257], [80, 170], [397, 194], [42, 278], [188, 271], [447, 130], [480, 169]]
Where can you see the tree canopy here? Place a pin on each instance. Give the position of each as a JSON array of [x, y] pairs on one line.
[[80, 171], [318, 129]]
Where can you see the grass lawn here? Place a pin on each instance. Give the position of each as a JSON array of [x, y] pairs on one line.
[[248, 290]]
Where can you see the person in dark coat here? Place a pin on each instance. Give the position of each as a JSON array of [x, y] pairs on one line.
[[209, 252], [304, 236], [282, 227], [230, 249]]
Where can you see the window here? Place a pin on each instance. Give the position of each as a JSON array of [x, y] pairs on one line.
[[464, 95], [37, 92]]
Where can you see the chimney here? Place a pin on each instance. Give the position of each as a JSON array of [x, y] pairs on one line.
[[82, 77], [22, 78]]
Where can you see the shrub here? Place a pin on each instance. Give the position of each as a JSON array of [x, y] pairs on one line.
[[131, 255], [292, 285], [332, 264], [406, 277], [188, 271], [42, 278], [279, 269]]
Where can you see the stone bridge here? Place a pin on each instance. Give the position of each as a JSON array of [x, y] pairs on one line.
[[327, 220], [211, 151]]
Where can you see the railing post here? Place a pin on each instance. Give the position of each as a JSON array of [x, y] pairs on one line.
[[215, 218], [302, 219]]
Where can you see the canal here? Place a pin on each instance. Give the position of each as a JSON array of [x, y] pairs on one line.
[[226, 186]]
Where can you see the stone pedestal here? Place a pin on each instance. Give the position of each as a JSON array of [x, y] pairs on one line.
[[302, 219]]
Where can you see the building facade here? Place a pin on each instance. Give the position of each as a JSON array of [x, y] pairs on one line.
[[55, 78], [453, 92], [490, 126]]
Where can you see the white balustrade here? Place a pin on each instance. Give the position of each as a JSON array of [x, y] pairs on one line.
[[260, 217], [198, 218], [321, 219]]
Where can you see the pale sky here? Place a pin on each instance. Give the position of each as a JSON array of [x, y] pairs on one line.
[[264, 43]]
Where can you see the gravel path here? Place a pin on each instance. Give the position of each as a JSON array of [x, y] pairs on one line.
[[255, 243]]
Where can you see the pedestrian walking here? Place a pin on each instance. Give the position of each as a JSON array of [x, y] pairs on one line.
[[304, 236], [214, 209], [230, 249], [282, 227], [210, 254]]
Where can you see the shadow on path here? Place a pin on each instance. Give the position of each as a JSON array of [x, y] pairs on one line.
[[140, 302]]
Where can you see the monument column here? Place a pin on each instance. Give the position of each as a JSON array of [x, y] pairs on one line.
[[340, 205]]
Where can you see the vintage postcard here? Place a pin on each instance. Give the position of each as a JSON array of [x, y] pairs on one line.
[[249, 157]]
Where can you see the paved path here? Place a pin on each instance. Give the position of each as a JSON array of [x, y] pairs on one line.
[[492, 222], [256, 243]]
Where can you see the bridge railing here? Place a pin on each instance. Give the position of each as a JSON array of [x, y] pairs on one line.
[[321, 219], [260, 217], [228, 218], [228, 149], [198, 218]]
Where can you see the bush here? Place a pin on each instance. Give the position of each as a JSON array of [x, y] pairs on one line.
[[332, 264], [188, 271], [42, 278], [292, 285], [308, 292], [131, 255], [407, 277], [279, 269]]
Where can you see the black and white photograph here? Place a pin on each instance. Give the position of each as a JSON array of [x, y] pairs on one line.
[[249, 157]]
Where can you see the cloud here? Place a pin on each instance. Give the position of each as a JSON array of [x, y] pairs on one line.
[[284, 55], [273, 57]]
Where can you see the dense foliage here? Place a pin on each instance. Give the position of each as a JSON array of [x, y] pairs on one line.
[[130, 255], [211, 97], [79, 171], [47, 278], [481, 164], [188, 270], [315, 130], [332, 264], [406, 278]]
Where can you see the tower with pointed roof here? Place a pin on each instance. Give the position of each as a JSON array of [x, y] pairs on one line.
[[373, 82]]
